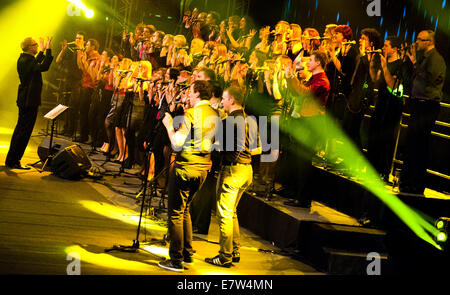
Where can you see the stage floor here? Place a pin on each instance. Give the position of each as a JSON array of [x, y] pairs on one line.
[[47, 222]]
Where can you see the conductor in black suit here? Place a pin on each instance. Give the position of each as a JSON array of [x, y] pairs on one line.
[[29, 67]]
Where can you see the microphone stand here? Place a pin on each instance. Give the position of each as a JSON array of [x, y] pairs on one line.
[[135, 246]]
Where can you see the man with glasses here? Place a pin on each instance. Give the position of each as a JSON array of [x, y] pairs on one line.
[[29, 67], [426, 93]]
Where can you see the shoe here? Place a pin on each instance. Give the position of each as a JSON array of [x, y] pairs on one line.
[[17, 166], [216, 261], [188, 260], [171, 265], [127, 164], [236, 257]]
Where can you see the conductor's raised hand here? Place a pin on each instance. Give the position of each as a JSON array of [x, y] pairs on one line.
[[41, 44], [48, 44]]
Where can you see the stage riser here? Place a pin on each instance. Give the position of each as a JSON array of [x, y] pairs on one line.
[[354, 200], [307, 239], [354, 265], [339, 237], [268, 222]]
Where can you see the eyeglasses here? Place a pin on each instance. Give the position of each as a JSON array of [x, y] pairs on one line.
[[34, 44], [422, 40]]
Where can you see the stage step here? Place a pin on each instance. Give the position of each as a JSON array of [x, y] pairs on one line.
[[341, 262], [339, 249]]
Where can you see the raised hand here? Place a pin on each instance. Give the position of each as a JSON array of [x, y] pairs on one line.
[[64, 45], [412, 54], [41, 43], [48, 44]]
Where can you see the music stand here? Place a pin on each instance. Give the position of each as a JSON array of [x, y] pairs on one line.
[[52, 115]]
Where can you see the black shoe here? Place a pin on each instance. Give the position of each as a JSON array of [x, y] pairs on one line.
[[171, 265], [17, 166], [216, 261], [188, 259], [236, 257], [127, 164]]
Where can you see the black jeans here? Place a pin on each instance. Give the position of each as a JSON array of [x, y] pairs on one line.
[[423, 116], [352, 126], [383, 130], [85, 105], [183, 186], [310, 134], [21, 135]]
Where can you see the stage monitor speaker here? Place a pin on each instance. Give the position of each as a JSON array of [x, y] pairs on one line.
[[71, 163], [57, 146]]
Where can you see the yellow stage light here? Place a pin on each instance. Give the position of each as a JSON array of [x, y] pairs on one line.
[[109, 261], [122, 214], [89, 13]]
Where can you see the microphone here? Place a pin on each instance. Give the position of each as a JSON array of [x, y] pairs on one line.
[[70, 43], [142, 79], [318, 38], [349, 42], [374, 51]]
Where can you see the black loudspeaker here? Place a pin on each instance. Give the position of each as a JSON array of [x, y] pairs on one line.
[[57, 146], [71, 163]]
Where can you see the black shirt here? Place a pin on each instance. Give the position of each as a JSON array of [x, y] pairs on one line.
[[243, 131], [429, 76], [29, 69]]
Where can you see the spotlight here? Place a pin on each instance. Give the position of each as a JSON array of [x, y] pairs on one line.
[[89, 13], [441, 237], [442, 223]]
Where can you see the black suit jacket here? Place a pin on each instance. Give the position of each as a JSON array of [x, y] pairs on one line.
[[30, 69]]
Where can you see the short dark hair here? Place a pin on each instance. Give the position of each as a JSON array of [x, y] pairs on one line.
[[396, 42], [83, 34], [237, 93], [321, 57], [216, 89], [208, 73], [374, 37], [204, 88], [94, 43]]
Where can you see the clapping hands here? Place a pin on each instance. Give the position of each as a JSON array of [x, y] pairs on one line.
[[46, 45]]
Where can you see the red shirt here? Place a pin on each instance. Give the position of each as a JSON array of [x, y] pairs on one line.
[[319, 85], [86, 81]]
